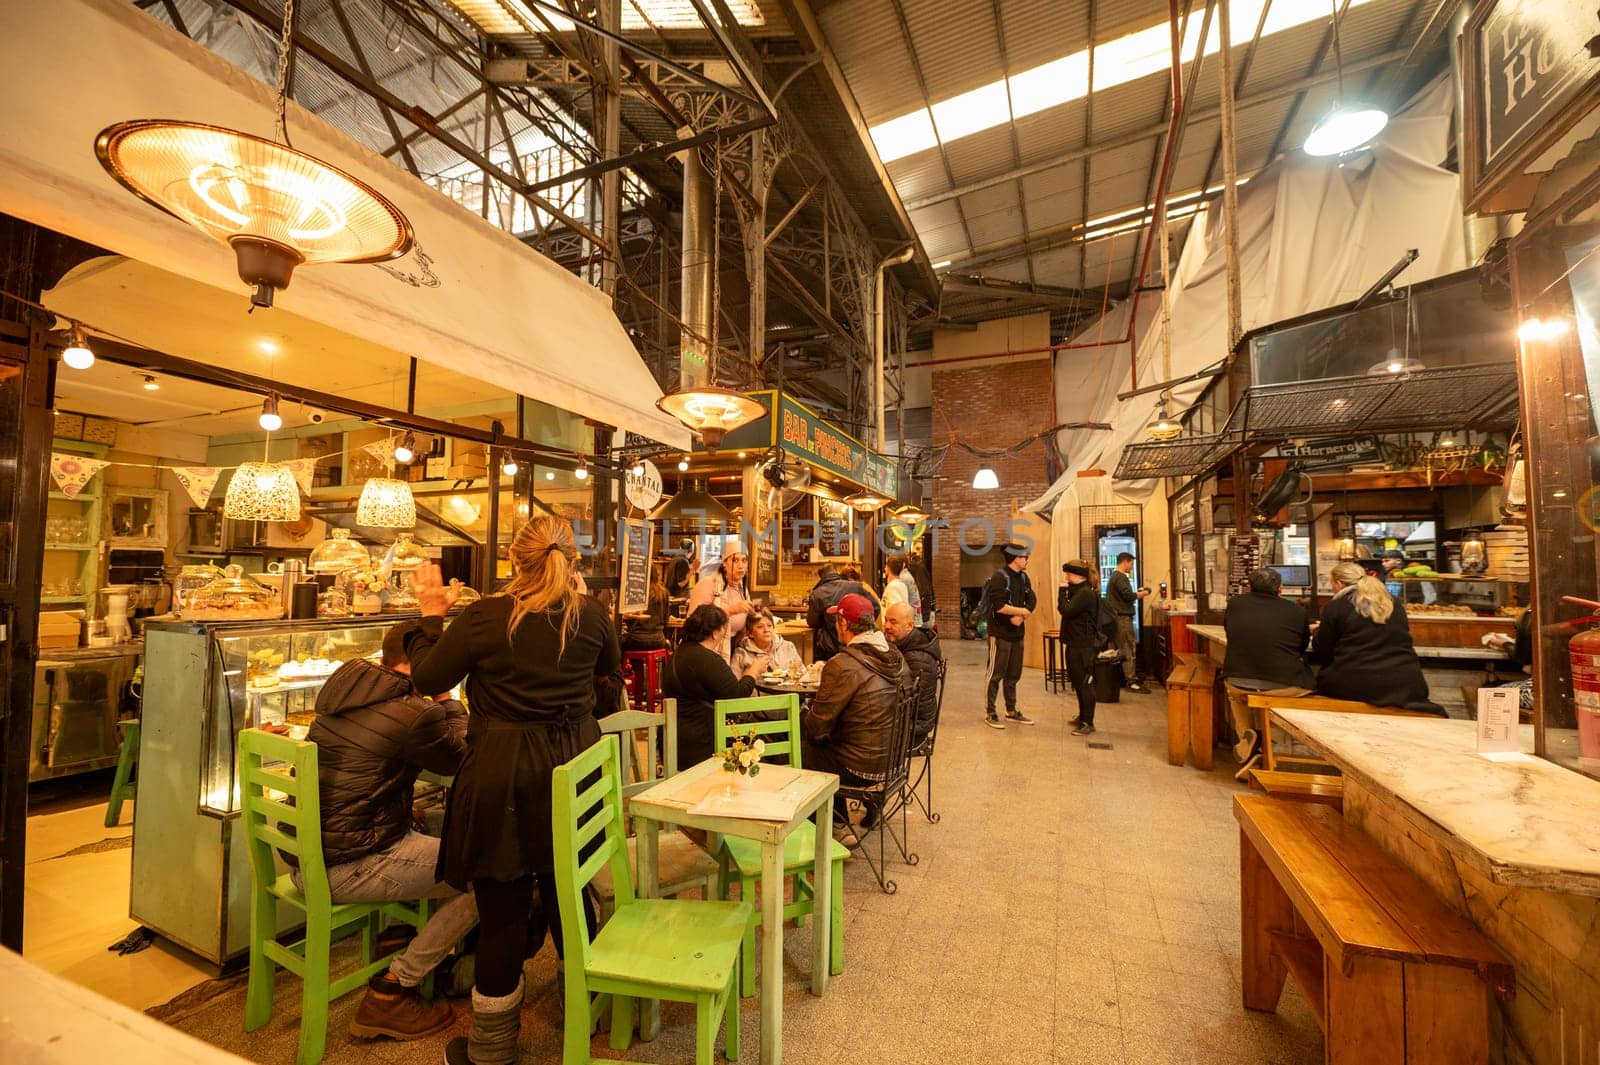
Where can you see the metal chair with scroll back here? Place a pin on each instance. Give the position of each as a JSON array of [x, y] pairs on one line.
[[924, 750], [885, 797]]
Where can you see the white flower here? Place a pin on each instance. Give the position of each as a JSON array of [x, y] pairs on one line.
[[759, 747], [747, 758]]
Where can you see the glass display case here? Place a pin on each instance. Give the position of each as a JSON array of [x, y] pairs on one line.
[[203, 683]]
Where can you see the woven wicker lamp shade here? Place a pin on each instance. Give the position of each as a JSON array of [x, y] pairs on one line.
[[386, 504], [262, 491]]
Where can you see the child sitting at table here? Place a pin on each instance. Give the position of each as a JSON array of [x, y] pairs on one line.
[[761, 638]]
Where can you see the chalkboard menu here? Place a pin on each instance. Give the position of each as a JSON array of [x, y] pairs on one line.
[[764, 500], [833, 529], [635, 566], [1244, 557]]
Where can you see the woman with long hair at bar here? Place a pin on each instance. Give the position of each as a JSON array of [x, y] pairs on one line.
[[529, 657]]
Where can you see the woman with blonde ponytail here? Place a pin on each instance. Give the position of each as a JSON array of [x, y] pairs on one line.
[[529, 657], [1363, 643]]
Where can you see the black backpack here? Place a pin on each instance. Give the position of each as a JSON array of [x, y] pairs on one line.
[[984, 613], [1105, 626]]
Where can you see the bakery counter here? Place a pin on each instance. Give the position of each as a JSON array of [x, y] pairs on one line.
[[1506, 840]]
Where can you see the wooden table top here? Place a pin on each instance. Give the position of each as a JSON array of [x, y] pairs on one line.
[[670, 801]]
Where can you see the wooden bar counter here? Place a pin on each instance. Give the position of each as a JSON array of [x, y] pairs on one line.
[[1511, 842]]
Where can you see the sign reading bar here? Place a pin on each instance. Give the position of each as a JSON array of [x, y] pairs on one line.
[[1529, 78], [803, 433], [1333, 452]]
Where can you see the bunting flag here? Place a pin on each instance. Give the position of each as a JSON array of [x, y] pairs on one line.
[[198, 481], [73, 472], [303, 469], [382, 450]]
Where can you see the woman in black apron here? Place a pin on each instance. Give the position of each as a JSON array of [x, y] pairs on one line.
[[529, 658]]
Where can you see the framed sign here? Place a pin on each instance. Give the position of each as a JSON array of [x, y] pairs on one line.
[[1529, 79], [835, 525], [764, 503], [635, 597]]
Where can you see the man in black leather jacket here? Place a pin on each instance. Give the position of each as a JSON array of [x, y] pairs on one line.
[[374, 734], [831, 587]]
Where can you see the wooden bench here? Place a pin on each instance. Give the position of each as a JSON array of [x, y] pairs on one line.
[[1391, 974], [1326, 788], [1190, 705], [1261, 707]]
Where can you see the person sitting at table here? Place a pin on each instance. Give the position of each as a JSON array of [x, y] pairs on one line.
[[920, 646], [647, 631], [374, 734], [846, 729], [725, 587], [1363, 643], [1267, 637], [831, 587], [761, 638], [697, 676]]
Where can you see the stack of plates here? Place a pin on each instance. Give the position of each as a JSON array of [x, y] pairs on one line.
[[1507, 551]]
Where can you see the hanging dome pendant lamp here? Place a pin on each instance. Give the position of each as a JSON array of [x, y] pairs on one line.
[[1350, 124], [276, 207]]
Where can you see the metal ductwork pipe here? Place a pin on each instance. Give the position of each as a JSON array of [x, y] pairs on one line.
[[879, 338], [699, 244]]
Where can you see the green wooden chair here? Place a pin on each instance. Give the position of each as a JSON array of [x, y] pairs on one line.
[[682, 863], [741, 858], [682, 951], [293, 825], [124, 786]]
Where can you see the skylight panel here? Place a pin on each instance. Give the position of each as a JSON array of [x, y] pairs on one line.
[[516, 17], [972, 111]]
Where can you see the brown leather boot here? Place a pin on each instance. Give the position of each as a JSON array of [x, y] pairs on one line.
[[399, 1012]]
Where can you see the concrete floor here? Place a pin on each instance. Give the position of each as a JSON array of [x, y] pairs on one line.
[[1075, 905]]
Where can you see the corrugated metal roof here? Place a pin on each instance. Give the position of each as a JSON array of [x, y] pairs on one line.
[[1125, 108], [955, 44], [865, 37], [1038, 31], [981, 154], [1049, 133]]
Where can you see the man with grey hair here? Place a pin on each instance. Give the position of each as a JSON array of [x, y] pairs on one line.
[[1267, 638]]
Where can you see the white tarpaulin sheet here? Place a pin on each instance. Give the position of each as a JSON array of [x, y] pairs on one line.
[[483, 304], [1311, 235]]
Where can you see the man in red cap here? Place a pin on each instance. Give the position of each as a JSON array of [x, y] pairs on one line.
[[846, 729]]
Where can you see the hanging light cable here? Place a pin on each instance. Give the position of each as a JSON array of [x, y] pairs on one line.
[[276, 207], [1348, 125]]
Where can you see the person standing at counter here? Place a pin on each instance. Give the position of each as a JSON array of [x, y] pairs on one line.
[[1267, 637], [648, 631], [1125, 604], [698, 675], [529, 657], [683, 568], [1363, 643], [725, 588], [374, 734]]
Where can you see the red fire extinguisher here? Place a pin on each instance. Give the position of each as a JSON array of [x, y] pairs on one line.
[[1583, 658]]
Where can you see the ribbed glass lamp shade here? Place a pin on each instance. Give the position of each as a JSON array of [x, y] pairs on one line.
[[276, 207], [386, 504], [262, 491], [711, 412], [868, 501]]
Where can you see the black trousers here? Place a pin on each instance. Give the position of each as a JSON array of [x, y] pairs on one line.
[[512, 923], [1080, 671], [1005, 669]]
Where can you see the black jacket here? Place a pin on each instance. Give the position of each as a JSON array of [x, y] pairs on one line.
[[1120, 594], [827, 592], [854, 708], [697, 677], [1364, 661], [1079, 607], [1267, 636], [925, 592], [373, 737], [1007, 587], [921, 650]]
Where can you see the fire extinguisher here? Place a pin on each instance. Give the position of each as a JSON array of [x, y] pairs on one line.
[[1583, 658]]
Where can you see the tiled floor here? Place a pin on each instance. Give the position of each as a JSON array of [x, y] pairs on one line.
[[1075, 905]]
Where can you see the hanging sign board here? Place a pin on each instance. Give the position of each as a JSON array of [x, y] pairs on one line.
[[643, 490], [1530, 77], [764, 502], [635, 598], [801, 431], [1330, 454]]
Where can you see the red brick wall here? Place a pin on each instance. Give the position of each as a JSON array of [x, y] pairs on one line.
[[989, 406]]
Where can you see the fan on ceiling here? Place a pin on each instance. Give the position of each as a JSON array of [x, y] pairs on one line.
[[787, 482]]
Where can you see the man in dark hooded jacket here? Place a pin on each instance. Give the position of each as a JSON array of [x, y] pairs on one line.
[[831, 587], [920, 646], [374, 734], [846, 729]]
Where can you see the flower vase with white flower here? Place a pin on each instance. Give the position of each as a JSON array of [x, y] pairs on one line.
[[366, 590], [742, 759]]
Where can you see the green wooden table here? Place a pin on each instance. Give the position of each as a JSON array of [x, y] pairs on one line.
[[669, 803]]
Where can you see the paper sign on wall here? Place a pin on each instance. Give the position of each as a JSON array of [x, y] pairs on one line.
[[1497, 720]]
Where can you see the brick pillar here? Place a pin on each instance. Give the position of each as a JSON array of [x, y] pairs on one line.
[[988, 406]]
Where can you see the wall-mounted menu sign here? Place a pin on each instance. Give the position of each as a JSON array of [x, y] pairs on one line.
[[635, 597], [765, 502], [1530, 77], [1244, 557], [833, 530]]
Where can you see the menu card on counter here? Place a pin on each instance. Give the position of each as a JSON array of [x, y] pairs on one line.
[[1497, 720]]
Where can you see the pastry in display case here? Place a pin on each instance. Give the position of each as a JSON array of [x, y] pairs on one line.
[[204, 683], [233, 597], [337, 554]]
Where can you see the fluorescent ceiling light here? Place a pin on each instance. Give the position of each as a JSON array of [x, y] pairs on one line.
[[1128, 58], [517, 17]]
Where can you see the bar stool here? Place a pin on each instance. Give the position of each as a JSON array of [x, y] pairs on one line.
[[644, 686], [1055, 673]]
